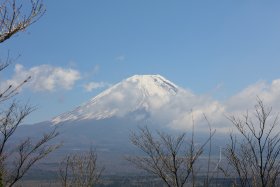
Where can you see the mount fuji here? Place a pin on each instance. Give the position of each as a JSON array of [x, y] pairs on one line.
[[106, 120], [144, 98], [141, 100], [141, 94]]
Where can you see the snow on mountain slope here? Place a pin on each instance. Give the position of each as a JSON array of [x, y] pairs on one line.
[[137, 92], [164, 101]]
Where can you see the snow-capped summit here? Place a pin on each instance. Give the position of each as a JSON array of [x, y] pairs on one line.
[[139, 92], [149, 99], [154, 84]]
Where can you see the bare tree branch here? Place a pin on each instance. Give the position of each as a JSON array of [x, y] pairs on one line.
[[27, 154], [80, 170], [255, 157], [16, 17], [166, 156]]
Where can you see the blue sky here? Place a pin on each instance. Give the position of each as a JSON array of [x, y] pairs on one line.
[[218, 48]]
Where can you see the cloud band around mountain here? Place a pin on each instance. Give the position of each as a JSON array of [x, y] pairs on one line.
[[179, 110]]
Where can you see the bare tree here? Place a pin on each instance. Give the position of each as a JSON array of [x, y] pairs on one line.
[[171, 158], [15, 17], [254, 156], [80, 170], [25, 155], [16, 160]]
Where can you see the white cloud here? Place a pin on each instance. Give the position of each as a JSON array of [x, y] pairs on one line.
[[246, 100], [180, 111], [268, 92], [44, 77], [94, 85]]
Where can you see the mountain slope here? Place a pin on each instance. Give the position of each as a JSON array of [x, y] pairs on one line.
[[149, 99], [137, 93]]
